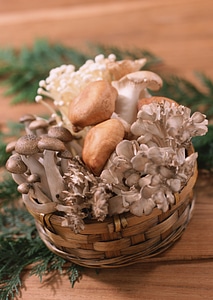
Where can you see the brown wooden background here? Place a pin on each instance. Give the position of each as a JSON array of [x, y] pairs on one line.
[[181, 33]]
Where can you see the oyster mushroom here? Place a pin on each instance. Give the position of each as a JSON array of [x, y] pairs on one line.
[[116, 206], [50, 146], [155, 99], [130, 89]]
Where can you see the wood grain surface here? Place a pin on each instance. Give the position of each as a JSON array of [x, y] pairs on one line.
[[181, 33]]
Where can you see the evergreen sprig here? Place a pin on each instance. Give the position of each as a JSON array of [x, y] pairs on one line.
[[21, 246], [22, 70]]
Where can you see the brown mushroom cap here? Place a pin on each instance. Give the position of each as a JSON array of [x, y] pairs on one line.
[[94, 104], [65, 154], [154, 99], [15, 164], [61, 133], [100, 142], [27, 144], [50, 143], [27, 118], [10, 147], [118, 69], [24, 188], [38, 124], [33, 178]]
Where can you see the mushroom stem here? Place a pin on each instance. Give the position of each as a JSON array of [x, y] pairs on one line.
[[74, 147], [39, 99], [34, 207], [54, 178], [19, 178], [130, 88], [36, 167], [40, 196]]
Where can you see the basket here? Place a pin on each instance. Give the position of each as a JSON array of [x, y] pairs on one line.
[[120, 240], [110, 139]]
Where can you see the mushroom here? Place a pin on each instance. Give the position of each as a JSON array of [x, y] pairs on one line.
[[39, 126], [36, 184], [116, 206], [33, 178], [65, 157], [17, 167], [155, 99], [35, 207], [27, 144], [39, 99], [27, 147], [10, 148], [38, 194], [50, 146], [61, 133], [100, 142], [24, 188], [64, 135], [130, 89], [33, 188], [94, 104], [26, 120], [118, 69]]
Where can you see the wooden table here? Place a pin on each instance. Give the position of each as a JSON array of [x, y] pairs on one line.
[[180, 32]]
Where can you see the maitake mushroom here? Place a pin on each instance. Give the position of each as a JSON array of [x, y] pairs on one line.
[[115, 149]]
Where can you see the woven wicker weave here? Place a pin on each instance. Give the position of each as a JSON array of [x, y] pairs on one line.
[[120, 240]]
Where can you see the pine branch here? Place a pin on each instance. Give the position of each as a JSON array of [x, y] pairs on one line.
[[21, 246], [204, 146], [136, 53], [21, 71], [186, 93]]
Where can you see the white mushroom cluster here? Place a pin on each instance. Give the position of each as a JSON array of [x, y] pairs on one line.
[[64, 83], [115, 149]]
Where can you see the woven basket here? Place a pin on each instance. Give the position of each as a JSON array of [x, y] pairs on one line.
[[120, 240]]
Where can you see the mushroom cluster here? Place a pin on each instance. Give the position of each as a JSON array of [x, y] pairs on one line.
[[113, 149]]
